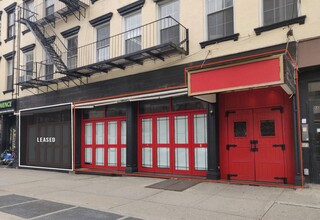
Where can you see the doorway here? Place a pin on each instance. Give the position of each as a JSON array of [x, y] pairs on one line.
[[255, 145]]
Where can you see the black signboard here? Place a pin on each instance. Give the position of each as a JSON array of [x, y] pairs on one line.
[[7, 106], [45, 137]]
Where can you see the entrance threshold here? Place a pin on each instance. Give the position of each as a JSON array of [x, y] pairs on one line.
[[181, 177]]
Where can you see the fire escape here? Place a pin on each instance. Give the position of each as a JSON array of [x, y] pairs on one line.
[[156, 40]]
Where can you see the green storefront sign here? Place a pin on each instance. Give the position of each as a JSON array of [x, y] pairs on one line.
[[7, 106]]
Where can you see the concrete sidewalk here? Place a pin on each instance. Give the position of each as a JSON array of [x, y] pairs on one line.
[[33, 194]]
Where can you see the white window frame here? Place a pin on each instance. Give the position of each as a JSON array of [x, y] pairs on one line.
[[50, 4], [9, 73], [96, 37], [160, 5], [206, 10], [46, 61], [125, 29], [25, 76], [261, 20], [67, 39], [29, 12], [11, 26]]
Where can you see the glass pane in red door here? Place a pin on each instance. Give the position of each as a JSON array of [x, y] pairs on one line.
[[147, 131], [163, 130], [182, 158], [99, 133], [88, 133], [181, 129]]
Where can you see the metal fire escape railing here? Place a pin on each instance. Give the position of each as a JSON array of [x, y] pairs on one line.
[[51, 10], [156, 40], [51, 43]]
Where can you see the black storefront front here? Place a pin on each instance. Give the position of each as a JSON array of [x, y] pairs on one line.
[[46, 137], [309, 84], [7, 125]]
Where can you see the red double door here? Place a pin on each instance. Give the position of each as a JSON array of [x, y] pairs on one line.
[[255, 147]]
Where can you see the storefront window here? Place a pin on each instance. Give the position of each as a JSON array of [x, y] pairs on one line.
[[98, 112], [314, 89], [154, 106], [185, 103], [116, 110]]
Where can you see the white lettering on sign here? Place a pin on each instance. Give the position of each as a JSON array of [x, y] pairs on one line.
[[46, 139]]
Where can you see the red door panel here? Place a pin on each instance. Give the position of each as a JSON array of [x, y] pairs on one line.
[[269, 158], [173, 143], [240, 133]]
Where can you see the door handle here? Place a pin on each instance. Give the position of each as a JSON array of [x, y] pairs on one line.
[[230, 145], [283, 146], [253, 145]]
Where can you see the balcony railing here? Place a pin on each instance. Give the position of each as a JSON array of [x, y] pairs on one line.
[[156, 40]]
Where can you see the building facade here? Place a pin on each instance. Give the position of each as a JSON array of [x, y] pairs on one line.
[[161, 87]]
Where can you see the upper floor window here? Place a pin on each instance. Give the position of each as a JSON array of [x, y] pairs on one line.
[[103, 42], [0, 24], [275, 11], [49, 7], [10, 74], [169, 27], [133, 33], [72, 55], [48, 67], [220, 18], [28, 61], [11, 26], [29, 10]]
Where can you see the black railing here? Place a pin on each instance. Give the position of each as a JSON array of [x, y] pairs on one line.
[[163, 31], [155, 40]]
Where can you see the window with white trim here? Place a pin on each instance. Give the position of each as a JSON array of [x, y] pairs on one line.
[[49, 68], [220, 18], [275, 11], [133, 33], [169, 27], [49, 7], [11, 25], [29, 10], [72, 55], [28, 67], [103, 42], [10, 75]]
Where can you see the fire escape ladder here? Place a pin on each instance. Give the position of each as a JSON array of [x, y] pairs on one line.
[[75, 6], [48, 44]]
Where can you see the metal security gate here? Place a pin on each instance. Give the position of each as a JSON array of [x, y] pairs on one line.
[[104, 143], [255, 148], [173, 143]]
